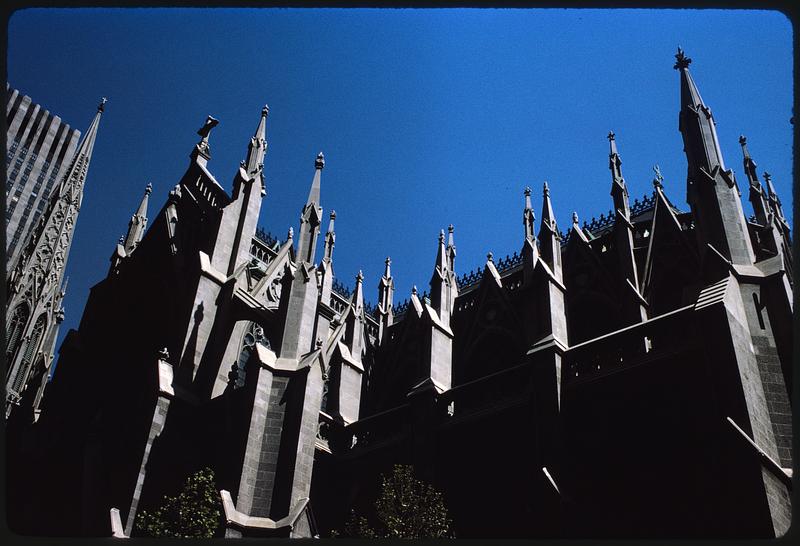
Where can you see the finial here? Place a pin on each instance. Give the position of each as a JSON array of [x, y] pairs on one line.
[[121, 239], [450, 228], [489, 257], [414, 290], [658, 178], [318, 343], [388, 260], [148, 189], [320, 162], [441, 235], [210, 123], [682, 61], [265, 111], [546, 189], [767, 177], [575, 218], [333, 215], [163, 354], [102, 106], [360, 276], [742, 140], [611, 135], [290, 233], [528, 191]]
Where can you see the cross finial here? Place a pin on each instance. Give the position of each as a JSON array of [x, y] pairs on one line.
[[658, 179], [210, 123], [320, 161], [767, 177], [102, 105], [611, 135], [681, 60]]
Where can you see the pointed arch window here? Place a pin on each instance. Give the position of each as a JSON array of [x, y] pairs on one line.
[[16, 326], [29, 353], [254, 334]]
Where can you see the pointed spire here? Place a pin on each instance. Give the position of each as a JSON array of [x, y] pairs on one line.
[[528, 217], [549, 239], [137, 223], [330, 238], [451, 249], [774, 201], [311, 216], [258, 146], [757, 197], [696, 122], [712, 191], [619, 191]]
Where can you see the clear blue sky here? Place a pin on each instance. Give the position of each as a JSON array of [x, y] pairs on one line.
[[426, 117]]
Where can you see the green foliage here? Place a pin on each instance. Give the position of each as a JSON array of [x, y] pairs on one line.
[[194, 513], [406, 508]]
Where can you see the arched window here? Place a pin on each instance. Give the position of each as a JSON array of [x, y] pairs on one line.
[[30, 351], [14, 331], [255, 334]]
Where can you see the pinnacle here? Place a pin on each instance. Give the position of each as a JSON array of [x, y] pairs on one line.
[[681, 60]]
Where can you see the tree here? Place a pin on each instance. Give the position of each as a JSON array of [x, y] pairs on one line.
[[194, 513], [406, 508]]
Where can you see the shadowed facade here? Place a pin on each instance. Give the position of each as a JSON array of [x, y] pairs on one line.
[[627, 377]]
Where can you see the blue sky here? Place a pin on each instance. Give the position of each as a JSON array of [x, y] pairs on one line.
[[426, 117]]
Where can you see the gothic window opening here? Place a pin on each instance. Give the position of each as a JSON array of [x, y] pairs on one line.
[[14, 331], [254, 334]]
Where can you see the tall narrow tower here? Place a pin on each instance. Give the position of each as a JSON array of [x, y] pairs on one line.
[[711, 189], [35, 292]]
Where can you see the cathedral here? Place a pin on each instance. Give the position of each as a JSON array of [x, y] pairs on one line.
[[624, 378]]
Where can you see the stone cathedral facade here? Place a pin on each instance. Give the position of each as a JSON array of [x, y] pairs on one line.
[[629, 377]]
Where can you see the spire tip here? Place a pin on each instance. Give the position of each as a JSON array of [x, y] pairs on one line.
[[320, 161], [265, 111], [102, 106], [681, 60], [148, 189]]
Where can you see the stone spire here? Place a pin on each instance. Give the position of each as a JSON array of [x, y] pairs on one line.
[[36, 279], [633, 308], [619, 191], [757, 197], [774, 200], [330, 238], [528, 217], [440, 283], [138, 222], [311, 216], [712, 191], [385, 300], [257, 149], [451, 249], [549, 238]]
